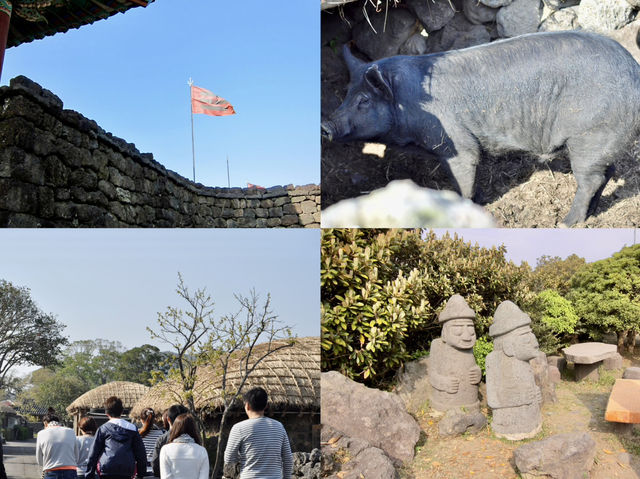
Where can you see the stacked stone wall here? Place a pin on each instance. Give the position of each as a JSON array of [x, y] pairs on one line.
[[60, 169]]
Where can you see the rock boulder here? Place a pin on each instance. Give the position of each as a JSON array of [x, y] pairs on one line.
[[564, 456], [378, 417]]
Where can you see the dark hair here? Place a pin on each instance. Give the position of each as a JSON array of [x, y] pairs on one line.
[[50, 416], [165, 419], [147, 416], [174, 411], [257, 399], [113, 406], [184, 424], [88, 425]]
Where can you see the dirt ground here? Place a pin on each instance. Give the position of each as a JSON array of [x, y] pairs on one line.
[[518, 192], [580, 407]]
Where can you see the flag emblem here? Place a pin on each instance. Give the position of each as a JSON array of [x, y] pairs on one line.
[[203, 101]]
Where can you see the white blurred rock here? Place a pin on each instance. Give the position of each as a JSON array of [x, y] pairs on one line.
[[403, 204]]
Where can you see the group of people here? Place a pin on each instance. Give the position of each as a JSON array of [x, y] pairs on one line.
[[258, 447]]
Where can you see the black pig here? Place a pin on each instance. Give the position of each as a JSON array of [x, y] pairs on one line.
[[546, 94]]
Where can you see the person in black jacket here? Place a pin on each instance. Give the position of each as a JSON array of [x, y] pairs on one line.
[[172, 413], [3, 474], [118, 449]]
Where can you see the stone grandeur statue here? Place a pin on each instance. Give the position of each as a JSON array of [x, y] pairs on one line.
[[453, 373], [512, 393]]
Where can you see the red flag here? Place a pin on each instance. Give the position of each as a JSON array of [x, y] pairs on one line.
[[257, 187], [203, 101]]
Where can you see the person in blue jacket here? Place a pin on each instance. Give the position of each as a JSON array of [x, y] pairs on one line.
[[118, 449]]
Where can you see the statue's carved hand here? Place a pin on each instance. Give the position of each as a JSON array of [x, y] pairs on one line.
[[451, 385], [475, 375]]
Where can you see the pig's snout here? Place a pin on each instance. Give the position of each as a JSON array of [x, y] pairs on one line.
[[326, 130]]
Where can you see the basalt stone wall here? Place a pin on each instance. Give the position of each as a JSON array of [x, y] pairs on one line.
[[60, 169]]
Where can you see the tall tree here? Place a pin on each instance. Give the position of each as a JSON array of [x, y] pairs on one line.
[[198, 339], [54, 389], [92, 361], [606, 295], [27, 335], [555, 273], [138, 364]]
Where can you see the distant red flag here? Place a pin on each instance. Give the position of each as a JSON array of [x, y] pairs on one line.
[[257, 187], [203, 101]]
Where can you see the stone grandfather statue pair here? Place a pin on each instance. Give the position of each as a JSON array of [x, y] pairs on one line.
[[512, 393]]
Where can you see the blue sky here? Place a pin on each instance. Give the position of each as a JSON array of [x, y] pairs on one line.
[[530, 244], [129, 73], [112, 283]]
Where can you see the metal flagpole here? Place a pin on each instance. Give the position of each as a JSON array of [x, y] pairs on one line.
[[228, 179], [193, 148]]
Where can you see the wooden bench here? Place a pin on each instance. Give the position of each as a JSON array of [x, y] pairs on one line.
[[623, 407]]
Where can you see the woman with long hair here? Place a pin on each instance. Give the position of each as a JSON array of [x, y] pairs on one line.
[[183, 457], [150, 434]]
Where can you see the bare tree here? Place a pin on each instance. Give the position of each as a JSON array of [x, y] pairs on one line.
[[235, 343], [233, 347], [187, 333]]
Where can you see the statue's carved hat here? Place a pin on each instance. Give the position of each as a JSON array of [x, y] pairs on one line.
[[456, 308], [507, 318]]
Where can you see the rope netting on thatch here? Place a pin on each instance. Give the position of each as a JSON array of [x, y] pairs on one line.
[[291, 377], [130, 393]]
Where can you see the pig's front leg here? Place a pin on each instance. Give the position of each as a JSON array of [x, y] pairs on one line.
[[462, 168]]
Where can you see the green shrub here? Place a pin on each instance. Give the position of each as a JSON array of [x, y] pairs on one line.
[[554, 320], [606, 295], [481, 349]]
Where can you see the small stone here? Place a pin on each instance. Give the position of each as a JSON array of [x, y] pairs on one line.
[[613, 362], [478, 13], [456, 422], [631, 373], [563, 456], [604, 15], [519, 17]]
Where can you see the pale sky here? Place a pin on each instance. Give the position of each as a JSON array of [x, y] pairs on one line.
[[112, 283], [529, 244]]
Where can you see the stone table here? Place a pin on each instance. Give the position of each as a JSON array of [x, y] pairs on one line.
[[587, 357], [623, 407]]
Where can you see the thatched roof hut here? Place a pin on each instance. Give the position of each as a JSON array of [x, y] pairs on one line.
[[92, 402], [291, 377]]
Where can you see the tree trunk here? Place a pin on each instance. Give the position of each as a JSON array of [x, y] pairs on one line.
[[631, 341], [622, 335], [217, 466]]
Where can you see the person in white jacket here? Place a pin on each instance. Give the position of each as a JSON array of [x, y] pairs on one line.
[[183, 457]]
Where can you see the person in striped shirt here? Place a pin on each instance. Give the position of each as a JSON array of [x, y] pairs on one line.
[[149, 433], [260, 445]]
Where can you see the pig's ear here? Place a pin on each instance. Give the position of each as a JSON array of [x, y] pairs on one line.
[[377, 82], [351, 61]]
